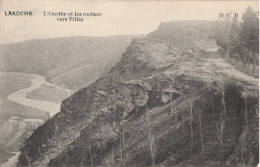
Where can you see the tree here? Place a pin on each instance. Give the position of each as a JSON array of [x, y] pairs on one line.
[[221, 89], [119, 128], [121, 145], [250, 30], [109, 160], [240, 39], [221, 35], [209, 86], [245, 96], [220, 130], [244, 148], [174, 109], [234, 38], [121, 134], [91, 157], [250, 33], [173, 105], [151, 138], [122, 137], [198, 114], [191, 121]]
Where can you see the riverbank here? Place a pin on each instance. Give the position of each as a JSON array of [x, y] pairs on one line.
[[21, 97], [18, 126], [12, 161]]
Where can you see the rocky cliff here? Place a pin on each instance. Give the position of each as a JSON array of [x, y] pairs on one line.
[[163, 104]]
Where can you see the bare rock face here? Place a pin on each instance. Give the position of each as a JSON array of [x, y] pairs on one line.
[[160, 104]]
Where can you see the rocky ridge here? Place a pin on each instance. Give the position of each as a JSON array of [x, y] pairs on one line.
[[114, 121]]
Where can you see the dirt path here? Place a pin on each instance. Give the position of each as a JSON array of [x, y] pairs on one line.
[[214, 63]]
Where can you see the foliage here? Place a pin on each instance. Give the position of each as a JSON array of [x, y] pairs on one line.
[[239, 40], [250, 30]]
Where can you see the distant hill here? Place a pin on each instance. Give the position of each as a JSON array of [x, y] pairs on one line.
[[71, 62]]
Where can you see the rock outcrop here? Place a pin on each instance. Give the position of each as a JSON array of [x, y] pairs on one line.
[[160, 105]]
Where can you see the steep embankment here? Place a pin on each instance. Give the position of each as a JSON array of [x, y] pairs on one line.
[[127, 118], [71, 62]]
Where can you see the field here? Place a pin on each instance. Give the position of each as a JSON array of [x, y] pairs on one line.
[[48, 93]]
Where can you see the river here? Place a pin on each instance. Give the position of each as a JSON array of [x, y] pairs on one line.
[[20, 97]]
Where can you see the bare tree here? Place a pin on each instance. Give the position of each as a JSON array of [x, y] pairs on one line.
[[244, 148], [91, 157], [122, 143], [121, 147], [122, 137], [221, 89], [109, 160], [245, 95], [191, 121], [220, 130], [195, 87], [173, 109], [212, 97], [120, 130], [198, 114], [222, 85], [56, 127], [173, 105], [151, 138]]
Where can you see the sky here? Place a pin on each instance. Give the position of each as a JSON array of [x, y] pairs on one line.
[[118, 17]]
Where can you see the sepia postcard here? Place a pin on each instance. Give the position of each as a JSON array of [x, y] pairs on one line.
[[129, 83]]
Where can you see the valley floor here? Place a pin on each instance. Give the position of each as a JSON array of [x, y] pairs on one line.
[[20, 113]]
